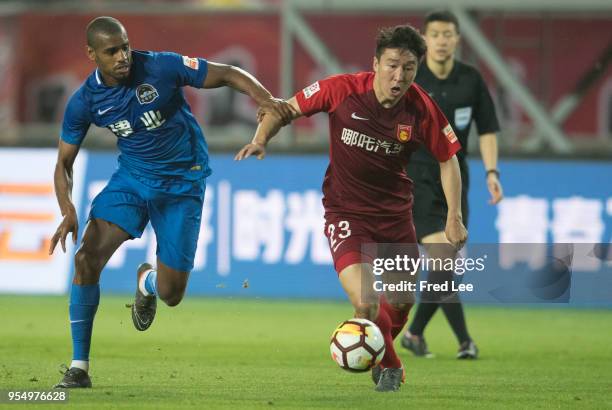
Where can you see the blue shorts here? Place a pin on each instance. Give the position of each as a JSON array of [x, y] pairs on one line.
[[174, 208]]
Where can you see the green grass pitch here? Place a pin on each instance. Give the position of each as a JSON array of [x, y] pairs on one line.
[[252, 353]]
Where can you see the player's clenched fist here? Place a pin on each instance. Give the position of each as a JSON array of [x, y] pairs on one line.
[[495, 189], [456, 233], [277, 106]]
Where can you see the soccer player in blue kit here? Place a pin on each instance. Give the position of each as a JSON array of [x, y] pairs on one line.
[[161, 177]]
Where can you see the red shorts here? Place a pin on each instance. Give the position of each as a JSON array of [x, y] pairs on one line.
[[347, 235]]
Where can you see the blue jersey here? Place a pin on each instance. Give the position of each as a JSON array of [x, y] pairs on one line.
[[157, 134]]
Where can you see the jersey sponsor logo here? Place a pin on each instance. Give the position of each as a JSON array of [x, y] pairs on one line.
[[190, 62], [354, 138], [404, 132], [146, 93], [152, 119], [102, 112], [356, 117], [311, 90], [122, 128], [450, 134], [463, 117]]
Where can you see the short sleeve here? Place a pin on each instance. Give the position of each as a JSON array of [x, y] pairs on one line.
[[324, 95], [438, 136], [183, 70], [77, 119], [484, 115]]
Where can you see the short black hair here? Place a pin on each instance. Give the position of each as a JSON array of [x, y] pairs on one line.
[[102, 25], [441, 15], [404, 36]]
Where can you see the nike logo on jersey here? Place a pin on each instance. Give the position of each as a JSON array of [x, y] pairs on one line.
[[102, 112], [78, 321], [356, 117]]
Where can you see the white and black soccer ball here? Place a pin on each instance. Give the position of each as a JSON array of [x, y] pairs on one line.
[[357, 345]]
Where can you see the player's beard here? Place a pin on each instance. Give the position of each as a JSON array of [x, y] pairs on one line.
[[122, 75]]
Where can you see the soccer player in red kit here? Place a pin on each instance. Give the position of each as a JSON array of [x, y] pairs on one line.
[[376, 120]]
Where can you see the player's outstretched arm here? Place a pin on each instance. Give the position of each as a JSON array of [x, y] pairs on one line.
[[451, 184], [488, 150], [220, 75], [268, 127], [63, 191]]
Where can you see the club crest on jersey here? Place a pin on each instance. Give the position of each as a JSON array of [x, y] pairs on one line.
[[404, 132], [450, 134], [146, 93]]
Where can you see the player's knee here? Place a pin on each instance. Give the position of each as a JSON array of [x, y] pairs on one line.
[[87, 267]]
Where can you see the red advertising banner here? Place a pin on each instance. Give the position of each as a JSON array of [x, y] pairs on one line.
[[545, 53], [8, 76]]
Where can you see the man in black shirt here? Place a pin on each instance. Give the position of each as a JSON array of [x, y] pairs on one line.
[[462, 95]]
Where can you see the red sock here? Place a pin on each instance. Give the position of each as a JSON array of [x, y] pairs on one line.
[[383, 321], [398, 317]]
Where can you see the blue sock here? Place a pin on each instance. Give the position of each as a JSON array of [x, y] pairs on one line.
[[84, 302], [151, 282]]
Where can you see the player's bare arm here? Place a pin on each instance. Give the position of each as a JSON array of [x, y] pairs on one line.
[[220, 75], [63, 191], [451, 184], [488, 150], [268, 127]]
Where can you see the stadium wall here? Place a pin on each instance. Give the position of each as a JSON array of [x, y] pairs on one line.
[[262, 229], [37, 84]]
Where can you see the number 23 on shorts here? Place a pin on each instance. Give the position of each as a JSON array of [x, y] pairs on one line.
[[336, 237]]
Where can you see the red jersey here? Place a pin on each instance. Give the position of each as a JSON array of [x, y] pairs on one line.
[[370, 145]]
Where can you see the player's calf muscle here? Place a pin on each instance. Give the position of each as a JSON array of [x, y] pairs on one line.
[[171, 291], [403, 307], [366, 311], [354, 279], [171, 298]]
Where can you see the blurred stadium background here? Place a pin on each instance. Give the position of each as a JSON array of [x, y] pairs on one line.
[[546, 62]]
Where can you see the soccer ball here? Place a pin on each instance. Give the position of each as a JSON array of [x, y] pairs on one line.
[[357, 345]]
